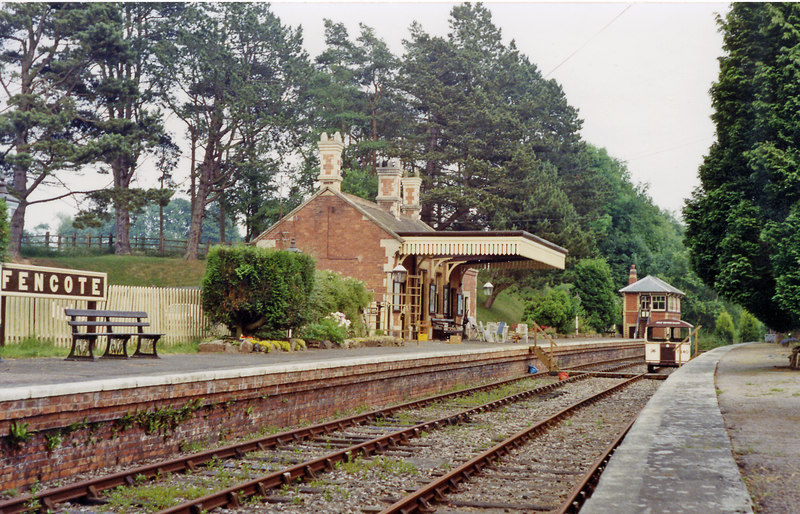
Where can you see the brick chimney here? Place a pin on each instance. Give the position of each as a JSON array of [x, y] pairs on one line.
[[411, 188], [389, 174], [632, 276], [330, 161]]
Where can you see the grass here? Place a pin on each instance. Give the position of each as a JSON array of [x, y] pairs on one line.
[[507, 307], [132, 270], [32, 348]]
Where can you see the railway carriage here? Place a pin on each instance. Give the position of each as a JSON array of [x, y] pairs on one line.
[[668, 343]]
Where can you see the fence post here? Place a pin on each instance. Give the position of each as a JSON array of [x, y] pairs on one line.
[[74, 239], [47, 240], [161, 245], [58, 241], [88, 241]]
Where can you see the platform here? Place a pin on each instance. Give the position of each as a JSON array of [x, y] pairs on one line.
[[677, 457], [35, 378]]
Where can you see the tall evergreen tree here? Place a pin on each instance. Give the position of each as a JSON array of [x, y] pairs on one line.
[[40, 64], [744, 218], [117, 103], [235, 76]]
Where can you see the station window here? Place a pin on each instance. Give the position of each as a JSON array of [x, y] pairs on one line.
[[659, 303]]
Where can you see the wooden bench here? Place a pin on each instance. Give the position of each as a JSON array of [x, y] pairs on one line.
[[443, 328], [132, 324]]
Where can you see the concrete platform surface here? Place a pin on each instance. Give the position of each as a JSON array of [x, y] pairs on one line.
[[33, 378], [759, 396], [677, 457]]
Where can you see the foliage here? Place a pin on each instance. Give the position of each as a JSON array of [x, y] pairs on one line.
[[234, 76], [554, 308], [742, 221], [592, 279], [41, 62], [246, 288], [336, 293], [724, 329], [749, 328], [176, 215], [325, 329]]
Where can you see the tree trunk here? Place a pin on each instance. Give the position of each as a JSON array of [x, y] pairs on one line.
[[122, 222], [15, 235], [221, 222], [198, 213]]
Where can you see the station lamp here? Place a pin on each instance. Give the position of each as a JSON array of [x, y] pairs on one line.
[[399, 273], [11, 200], [488, 288]]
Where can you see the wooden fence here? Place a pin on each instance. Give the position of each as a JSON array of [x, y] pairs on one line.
[[175, 312], [158, 245]]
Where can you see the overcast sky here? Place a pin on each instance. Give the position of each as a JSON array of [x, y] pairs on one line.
[[639, 73]]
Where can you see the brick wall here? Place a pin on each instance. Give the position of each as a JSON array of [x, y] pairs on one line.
[[339, 237]]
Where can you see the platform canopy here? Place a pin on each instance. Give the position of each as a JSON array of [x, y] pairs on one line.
[[500, 249]]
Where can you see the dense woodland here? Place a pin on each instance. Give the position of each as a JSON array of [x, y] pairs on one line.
[[88, 88]]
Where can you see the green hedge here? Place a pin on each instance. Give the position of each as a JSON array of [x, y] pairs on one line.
[[250, 289]]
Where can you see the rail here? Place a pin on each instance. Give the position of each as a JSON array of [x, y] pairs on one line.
[[92, 489], [421, 500]]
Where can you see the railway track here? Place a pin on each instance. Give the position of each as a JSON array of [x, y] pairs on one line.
[[295, 455]]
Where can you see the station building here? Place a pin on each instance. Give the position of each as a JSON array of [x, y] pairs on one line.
[[650, 304], [421, 279]]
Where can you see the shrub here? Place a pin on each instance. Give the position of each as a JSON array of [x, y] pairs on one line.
[[336, 293], [326, 329], [248, 288], [749, 328], [554, 308], [724, 330]]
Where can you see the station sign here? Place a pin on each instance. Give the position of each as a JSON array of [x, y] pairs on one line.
[[39, 281]]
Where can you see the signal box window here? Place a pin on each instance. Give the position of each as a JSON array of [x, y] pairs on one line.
[[659, 303]]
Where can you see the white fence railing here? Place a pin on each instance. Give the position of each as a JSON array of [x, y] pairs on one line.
[[175, 312]]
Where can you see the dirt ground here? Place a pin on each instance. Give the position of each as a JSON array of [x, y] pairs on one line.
[[759, 397]]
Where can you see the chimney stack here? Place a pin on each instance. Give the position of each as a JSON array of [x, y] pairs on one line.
[[411, 188], [389, 174], [330, 161], [632, 276]]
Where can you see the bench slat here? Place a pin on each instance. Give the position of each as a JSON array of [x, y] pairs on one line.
[[108, 323], [104, 314]]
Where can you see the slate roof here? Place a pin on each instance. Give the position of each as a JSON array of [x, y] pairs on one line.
[[651, 284], [371, 210], [384, 218]]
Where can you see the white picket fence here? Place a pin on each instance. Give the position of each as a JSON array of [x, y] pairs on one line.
[[175, 312]]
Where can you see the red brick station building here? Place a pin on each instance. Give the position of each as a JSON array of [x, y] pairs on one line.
[[420, 278]]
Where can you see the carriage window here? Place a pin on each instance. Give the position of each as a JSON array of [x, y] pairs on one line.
[[659, 303]]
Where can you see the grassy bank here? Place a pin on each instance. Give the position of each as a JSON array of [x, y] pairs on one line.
[[507, 307], [132, 270]]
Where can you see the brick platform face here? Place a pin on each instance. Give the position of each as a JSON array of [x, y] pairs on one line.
[[90, 431]]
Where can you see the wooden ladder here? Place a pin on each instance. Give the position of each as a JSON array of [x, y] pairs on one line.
[[548, 359], [414, 304]]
